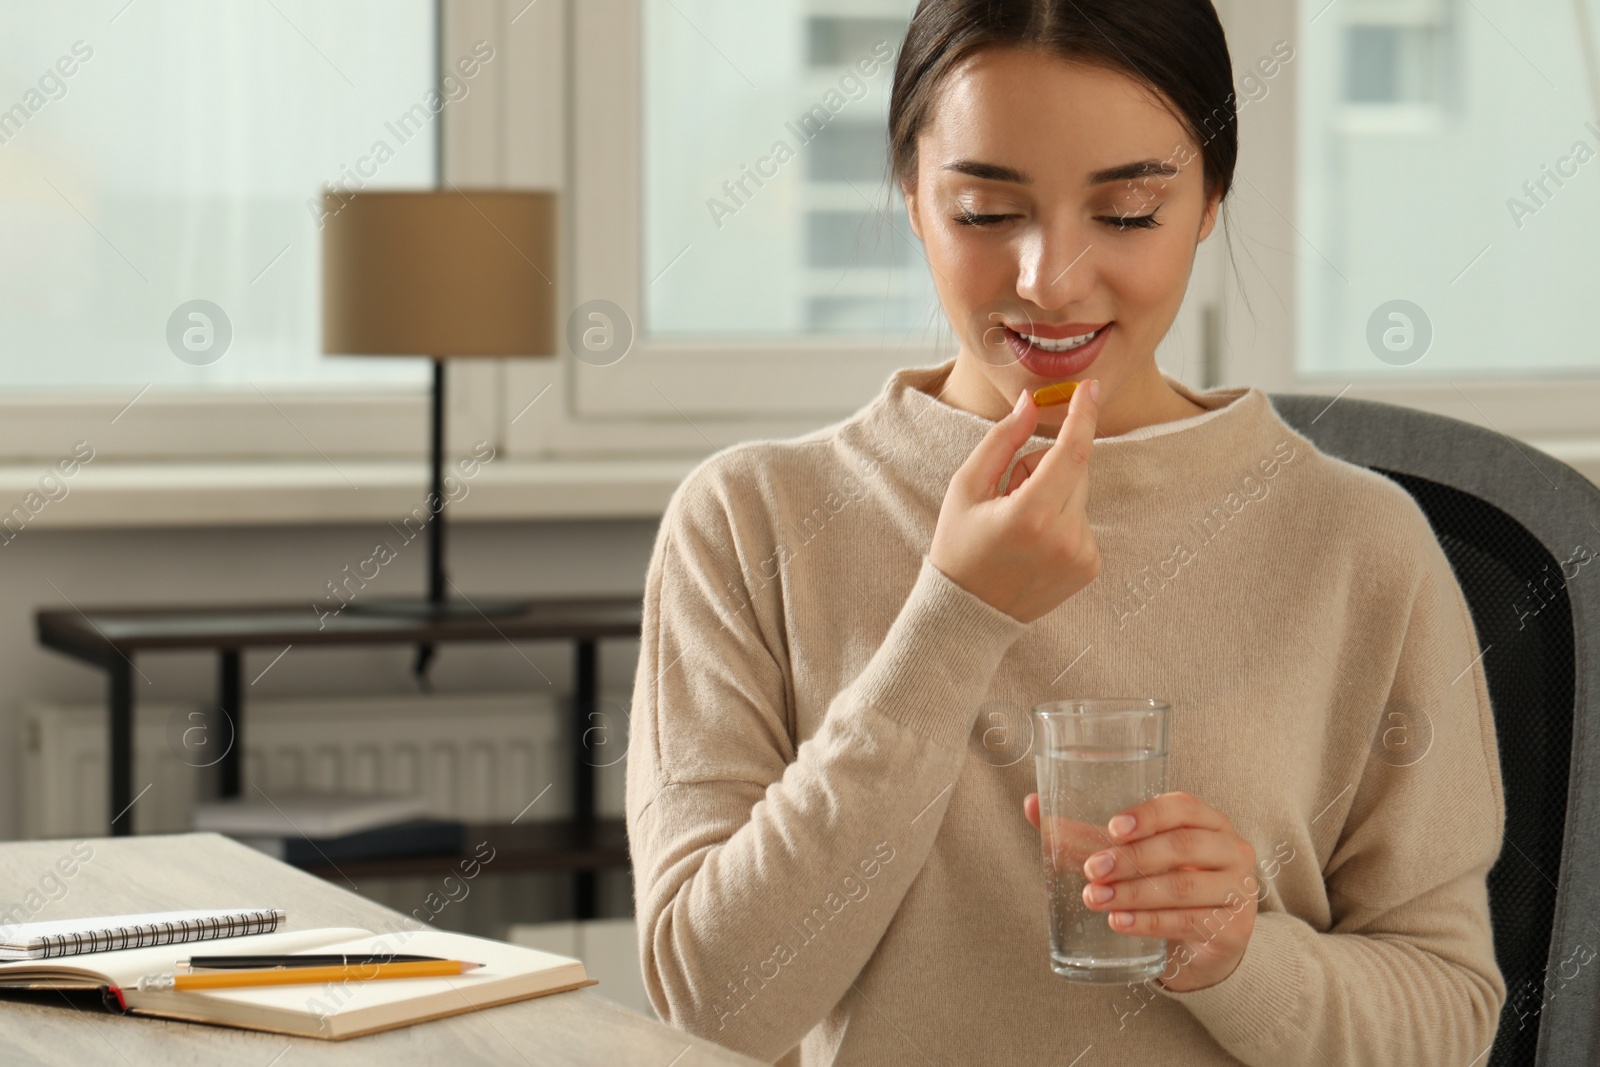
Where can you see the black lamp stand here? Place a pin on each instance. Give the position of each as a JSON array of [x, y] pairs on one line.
[[437, 605]]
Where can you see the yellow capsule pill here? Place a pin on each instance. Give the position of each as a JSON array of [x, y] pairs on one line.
[[1054, 393]]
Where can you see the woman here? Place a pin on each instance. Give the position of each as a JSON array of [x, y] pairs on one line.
[[835, 846]]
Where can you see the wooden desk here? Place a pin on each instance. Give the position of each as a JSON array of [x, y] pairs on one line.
[[170, 871]]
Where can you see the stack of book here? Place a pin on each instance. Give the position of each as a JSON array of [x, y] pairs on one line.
[[313, 829]]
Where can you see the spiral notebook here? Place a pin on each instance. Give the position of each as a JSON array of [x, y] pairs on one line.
[[106, 933]]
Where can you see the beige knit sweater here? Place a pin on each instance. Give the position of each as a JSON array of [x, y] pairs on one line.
[[830, 747]]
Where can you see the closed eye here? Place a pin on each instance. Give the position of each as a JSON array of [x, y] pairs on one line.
[[1131, 222], [967, 218], [1119, 223]]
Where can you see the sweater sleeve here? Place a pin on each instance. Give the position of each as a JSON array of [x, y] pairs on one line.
[[764, 876], [1406, 973]]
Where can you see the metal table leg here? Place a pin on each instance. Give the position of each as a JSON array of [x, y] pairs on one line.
[[120, 721], [583, 777], [230, 699]]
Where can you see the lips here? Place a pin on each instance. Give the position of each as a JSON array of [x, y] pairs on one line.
[[1058, 365], [1056, 333], [1068, 343]]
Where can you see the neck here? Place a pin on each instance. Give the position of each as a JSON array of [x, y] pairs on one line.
[[918, 436], [1142, 400]]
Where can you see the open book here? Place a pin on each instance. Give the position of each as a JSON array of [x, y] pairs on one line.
[[326, 1010]]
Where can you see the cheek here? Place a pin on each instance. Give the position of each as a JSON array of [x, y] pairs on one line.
[[963, 260], [968, 273], [1149, 276]]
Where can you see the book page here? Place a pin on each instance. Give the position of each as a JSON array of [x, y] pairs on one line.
[[323, 1008]]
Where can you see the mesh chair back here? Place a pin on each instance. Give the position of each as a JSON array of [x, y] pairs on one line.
[[1522, 532]]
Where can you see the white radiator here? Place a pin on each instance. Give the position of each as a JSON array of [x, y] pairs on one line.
[[477, 757]]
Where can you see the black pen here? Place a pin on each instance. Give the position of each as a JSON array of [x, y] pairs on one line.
[[298, 960]]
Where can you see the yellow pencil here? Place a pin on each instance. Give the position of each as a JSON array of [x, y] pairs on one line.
[[304, 975]]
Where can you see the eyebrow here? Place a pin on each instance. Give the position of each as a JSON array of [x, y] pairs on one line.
[[1122, 172]]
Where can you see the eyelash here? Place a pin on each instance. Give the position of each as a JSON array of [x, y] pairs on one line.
[[1132, 222], [1120, 223]]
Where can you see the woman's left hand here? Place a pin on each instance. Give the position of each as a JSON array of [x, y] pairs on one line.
[[1181, 873]]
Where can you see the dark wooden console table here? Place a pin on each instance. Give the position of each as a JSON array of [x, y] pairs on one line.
[[109, 638]]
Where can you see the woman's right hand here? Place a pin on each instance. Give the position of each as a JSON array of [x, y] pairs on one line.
[[1024, 551]]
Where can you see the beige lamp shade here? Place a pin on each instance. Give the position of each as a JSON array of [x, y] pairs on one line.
[[448, 273]]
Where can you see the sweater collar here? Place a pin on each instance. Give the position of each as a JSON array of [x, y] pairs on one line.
[[929, 439]]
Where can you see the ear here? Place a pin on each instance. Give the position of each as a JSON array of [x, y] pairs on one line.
[[909, 195], [1208, 221]]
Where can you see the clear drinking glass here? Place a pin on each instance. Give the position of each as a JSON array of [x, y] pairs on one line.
[[1094, 758]]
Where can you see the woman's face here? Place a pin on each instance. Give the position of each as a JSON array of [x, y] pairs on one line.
[[1034, 224]]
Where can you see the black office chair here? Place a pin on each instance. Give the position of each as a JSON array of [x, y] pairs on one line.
[[1515, 524]]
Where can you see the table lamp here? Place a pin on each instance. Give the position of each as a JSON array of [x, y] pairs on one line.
[[439, 274]]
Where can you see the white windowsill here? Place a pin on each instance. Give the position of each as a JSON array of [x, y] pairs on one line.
[[275, 493]]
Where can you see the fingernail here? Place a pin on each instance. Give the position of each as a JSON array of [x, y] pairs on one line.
[[1122, 918], [1094, 390], [1099, 864], [1098, 894], [1122, 825], [1022, 398]]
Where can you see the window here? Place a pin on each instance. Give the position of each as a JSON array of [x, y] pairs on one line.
[[174, 152], [1450, 177], [767, 206], [1371, 134]]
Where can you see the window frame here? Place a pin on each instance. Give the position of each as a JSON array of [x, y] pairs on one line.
[[694, 393]]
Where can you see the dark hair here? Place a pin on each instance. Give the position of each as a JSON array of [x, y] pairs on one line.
[[1175, 47]]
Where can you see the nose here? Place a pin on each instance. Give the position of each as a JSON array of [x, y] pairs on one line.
[[1055, 266]]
